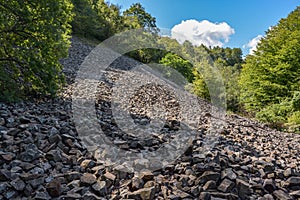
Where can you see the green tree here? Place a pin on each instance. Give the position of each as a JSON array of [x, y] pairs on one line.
[[270, 78], [227, 62], [179, 64], [34, 36], [137, 17], [97, 19], [86, 22]]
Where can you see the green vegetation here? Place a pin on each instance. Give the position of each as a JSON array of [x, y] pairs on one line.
[[35, 35], [270, 81], [179, 64]]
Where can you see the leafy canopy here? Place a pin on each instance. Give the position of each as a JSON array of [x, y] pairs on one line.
[[270, 77], [34, 36]]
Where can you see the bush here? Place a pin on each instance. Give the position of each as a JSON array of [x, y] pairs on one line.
[[34, 36]]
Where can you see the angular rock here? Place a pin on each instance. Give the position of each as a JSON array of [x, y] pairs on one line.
[[36, 182], [137, 183], [88, 179], [244, 189], [100, 188], [10, 194], [110, 176], [268, 167], [71, 196], [289, 172], [42, 196], [279, 194], [70, 176], [205, 196], [147, 176], [226, 186], [210, 185], [295, 194], [269, 185], [3, 187], [4, 175], [209, 175], [54, 188], [268, 197], [18, 184], [31, 153], [144, 194], [293, 181], [121, 172], [90, 196], [88, 163]]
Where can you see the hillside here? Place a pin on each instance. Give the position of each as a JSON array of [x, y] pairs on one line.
[[43, 157]]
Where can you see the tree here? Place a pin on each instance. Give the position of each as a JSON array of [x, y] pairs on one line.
[[86, 22], [34, 36], [270, 78], [137, 17], [97, 19], [179, 64]]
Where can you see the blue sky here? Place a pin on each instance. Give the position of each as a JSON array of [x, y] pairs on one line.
[[243, 20]]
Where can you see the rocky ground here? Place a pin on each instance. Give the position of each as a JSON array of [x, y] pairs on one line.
[[43, 157]]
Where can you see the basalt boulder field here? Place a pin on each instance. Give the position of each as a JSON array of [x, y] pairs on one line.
[[43, 157]]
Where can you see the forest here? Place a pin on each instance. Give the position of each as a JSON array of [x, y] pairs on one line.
[[36, 34]]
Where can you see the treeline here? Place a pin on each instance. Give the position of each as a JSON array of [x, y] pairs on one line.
[[100, 20], [35, 35]]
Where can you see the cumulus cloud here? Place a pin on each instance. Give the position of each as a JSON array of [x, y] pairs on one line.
[[202, 32], [252, 44]]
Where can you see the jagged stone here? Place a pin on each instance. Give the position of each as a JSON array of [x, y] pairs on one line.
[[289, 172], [90, 196], [110, 176], [279, 194], [205, 196], [100, 188], [147, 176], [209, 175], [144, 194], [10, 194], [31, 153], [210, 185], [226, 186], [295, 194], [244, 189], [293, 181], [54, 188], [88, 163], [42, 196], [88, 179], [36, 182], [267, 197], [18, 184], [137, 183], [269, 185]]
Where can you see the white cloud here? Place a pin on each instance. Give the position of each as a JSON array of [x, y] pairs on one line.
[[252, 44], [203, 32]]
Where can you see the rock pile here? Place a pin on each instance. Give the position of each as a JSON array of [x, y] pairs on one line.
[[42, 156]]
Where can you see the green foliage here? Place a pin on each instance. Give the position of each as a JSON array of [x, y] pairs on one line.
[[96, 19], [275, 113], [294, 119], [271, 75], [101, 20], [227, 62], [86, 22], [179, 64], [137, 17], [34, 36]]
